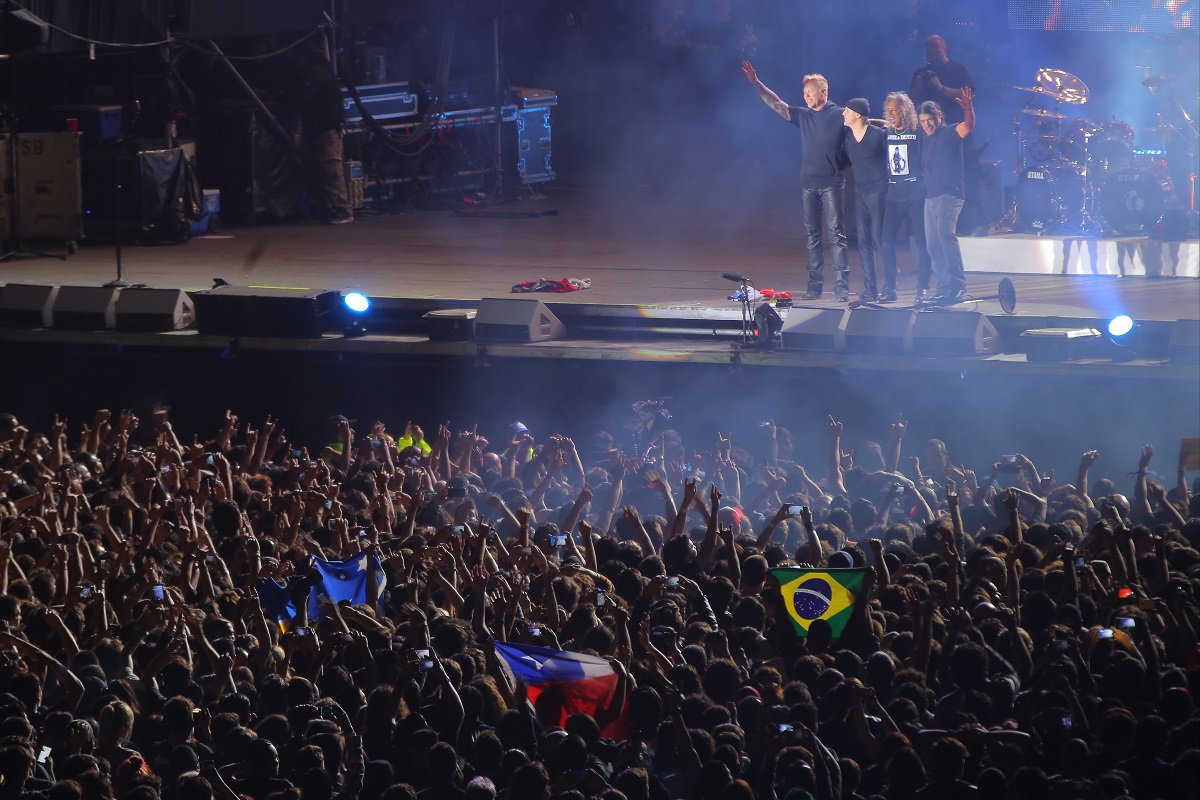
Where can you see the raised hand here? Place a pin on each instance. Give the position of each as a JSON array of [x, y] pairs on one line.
[[835, 428], [749, 72], [1147, 454], [898, 428], [967, 98]]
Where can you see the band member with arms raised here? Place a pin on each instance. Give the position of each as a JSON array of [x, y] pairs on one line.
[[942, 165], [822, 182]]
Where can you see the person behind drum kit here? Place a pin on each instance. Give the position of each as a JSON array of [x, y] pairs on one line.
[[905, 196], [942, 166], [939, 79]]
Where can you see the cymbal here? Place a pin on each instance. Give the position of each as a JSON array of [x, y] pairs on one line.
[[1044, 113], [1034, 89], [1063, 85], [1049, 139], [1166, 127], [1155, 81]]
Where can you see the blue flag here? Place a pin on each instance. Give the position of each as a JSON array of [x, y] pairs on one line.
[[343, 580], [276, 602]]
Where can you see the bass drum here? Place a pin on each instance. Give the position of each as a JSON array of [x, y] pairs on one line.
[[1132, 200], [1050, 199]]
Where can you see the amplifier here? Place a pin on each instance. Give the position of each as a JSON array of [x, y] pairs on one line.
[[383, 101], [525, 97]]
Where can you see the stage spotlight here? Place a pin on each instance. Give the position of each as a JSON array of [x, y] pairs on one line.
[[357, 306], [1120, 325], [1123, 338]]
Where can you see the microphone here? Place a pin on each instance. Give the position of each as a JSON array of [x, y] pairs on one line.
[[729, 276]]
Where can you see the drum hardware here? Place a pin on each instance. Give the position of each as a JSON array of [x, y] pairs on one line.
[[1165, 127]]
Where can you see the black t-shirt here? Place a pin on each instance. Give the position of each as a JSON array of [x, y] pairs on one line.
[[869, 159], [953, 74], [905, 179], [942, 162], [821, 135]]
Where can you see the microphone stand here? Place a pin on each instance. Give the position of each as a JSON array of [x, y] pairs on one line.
[[744, 285], [121, 282]]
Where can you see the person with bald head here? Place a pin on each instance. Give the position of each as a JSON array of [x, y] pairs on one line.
[[941, 80]]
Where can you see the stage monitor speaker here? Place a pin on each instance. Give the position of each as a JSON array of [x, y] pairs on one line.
[[1060, 344], [954, 333], [879, 332], [249, 311], [451, 324], [154, 310], [513, 319], [1184, 346], [26, 305], [815, 329], [86, 308]]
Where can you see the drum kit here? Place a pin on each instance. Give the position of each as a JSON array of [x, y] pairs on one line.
[[1079, 176]]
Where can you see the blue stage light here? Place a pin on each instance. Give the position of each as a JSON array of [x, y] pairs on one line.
[[357, 302], [1120, 325]]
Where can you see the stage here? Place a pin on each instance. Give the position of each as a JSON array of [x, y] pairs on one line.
[[655, 264]]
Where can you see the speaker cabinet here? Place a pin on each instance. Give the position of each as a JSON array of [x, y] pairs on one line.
[[247, 311], [815, 329], [1184, 346], [154, 310], [513, 319], [879, 332], [85, 308], [953, 333], [24, 305]]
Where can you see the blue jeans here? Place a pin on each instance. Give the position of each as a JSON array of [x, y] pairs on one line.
[[941, 219], [825, 206], [870, 209]]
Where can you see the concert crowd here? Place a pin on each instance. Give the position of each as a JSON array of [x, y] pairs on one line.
[[394, 615]]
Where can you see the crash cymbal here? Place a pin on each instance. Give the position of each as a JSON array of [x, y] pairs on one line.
[[1034, 89], [1166, 127], [1063, 85], [1044, 113], [1049, 139]]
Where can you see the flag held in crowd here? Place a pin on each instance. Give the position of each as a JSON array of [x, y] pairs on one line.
[[340, 580], [343, 580], [813, 594], [585, 684]]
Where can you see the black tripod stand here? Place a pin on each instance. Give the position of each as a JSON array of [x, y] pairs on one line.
[[13, 164]]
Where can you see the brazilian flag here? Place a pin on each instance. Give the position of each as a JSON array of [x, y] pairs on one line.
[[813, 594]]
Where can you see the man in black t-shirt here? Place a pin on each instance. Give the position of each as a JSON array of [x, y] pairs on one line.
[[942, 165], [866, 148], [941, 79], [822, 182]]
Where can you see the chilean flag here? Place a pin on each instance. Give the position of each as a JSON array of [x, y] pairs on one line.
[[587, 683]]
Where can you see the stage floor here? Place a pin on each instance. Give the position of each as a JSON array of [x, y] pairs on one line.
[[638, 248]]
